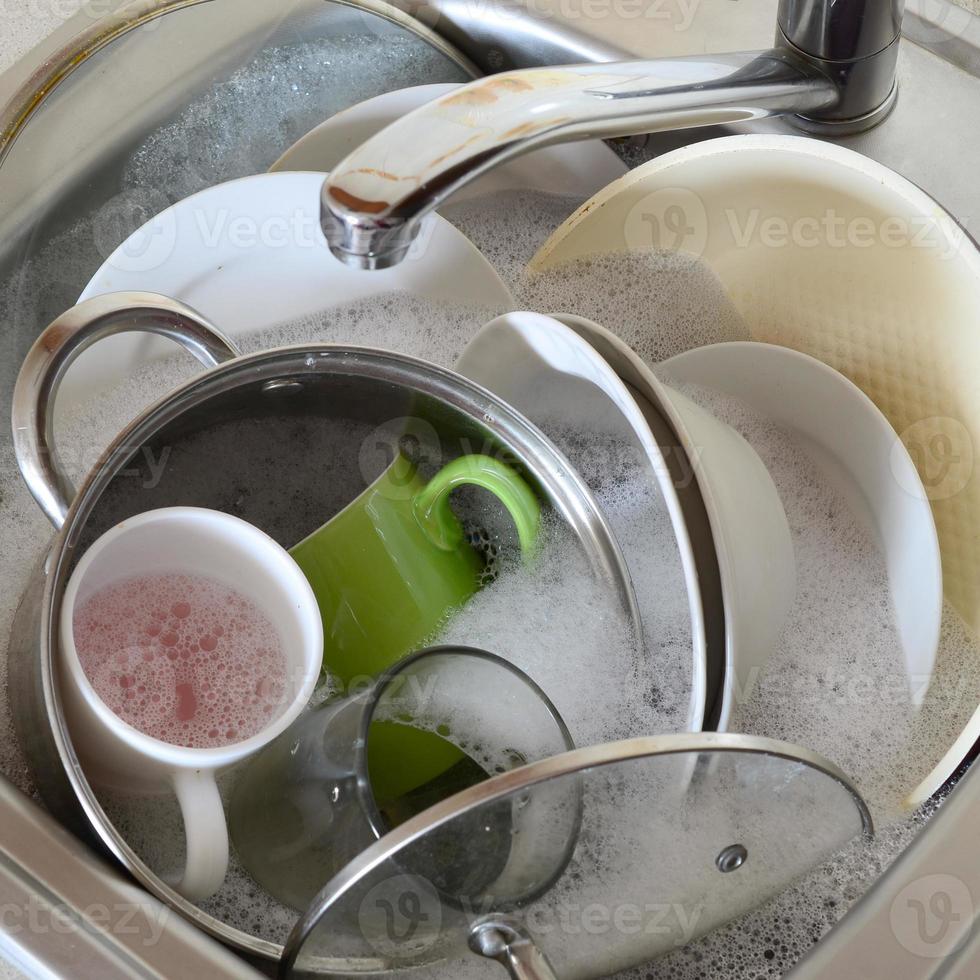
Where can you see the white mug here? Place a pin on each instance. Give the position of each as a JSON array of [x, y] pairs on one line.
[[116, 755]]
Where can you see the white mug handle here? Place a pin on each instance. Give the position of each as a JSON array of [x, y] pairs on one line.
[[206, 832]]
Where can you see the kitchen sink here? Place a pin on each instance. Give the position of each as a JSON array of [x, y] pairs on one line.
[[89, 151]]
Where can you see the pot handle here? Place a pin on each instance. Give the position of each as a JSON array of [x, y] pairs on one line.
[[58, 346]]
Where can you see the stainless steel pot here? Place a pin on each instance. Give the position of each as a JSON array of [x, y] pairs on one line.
[[279, 397]]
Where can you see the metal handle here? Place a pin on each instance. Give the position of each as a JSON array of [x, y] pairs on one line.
[[509, 943], [54, 351]]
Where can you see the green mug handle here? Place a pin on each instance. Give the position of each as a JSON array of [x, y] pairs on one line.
[[442, 527]]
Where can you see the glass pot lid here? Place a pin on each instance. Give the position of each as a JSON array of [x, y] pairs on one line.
[[669, 837]]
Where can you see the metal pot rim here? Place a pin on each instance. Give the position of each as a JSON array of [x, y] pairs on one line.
[[569, 494]]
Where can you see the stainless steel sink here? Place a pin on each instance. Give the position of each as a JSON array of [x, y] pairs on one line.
[[71, 188]]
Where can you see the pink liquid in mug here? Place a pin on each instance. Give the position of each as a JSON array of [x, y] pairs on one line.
[[182, 658]]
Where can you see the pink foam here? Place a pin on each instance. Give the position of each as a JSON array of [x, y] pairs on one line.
[[183, 658]]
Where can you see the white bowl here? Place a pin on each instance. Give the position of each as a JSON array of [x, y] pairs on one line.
[[860, 454], [547, 372], [752, 539]]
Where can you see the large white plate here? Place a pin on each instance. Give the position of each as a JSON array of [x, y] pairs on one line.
[[577, 170], [249, 254], [546, 371]]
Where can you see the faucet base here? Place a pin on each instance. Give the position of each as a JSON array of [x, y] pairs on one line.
[[846, 127]]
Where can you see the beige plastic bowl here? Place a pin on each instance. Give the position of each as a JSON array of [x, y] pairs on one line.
[[825, 251]]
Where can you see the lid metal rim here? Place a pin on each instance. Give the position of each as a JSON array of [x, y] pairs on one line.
[[378, 364], [568, 763]]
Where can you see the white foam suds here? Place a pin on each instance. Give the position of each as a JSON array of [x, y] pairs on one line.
[[840, 643], [838, 682], [549, 619]]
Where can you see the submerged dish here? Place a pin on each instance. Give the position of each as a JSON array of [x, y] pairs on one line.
[[860, 454], [748, 524], [249, 254], [555, 378], [826, 251]]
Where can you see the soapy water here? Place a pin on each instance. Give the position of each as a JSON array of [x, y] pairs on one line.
[[840, 656], [851, 646], [661, 304], [183, 658], [243, 124]]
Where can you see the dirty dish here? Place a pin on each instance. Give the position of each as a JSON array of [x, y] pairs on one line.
[[356, 767], [576, 171], [245, 410], [860, 454], [394, 563], [551, 375], [249, 254], [828, 252], [751, 534], [117, 754], [823, 250]]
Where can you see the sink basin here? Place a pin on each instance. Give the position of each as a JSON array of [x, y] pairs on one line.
[[95, 160]]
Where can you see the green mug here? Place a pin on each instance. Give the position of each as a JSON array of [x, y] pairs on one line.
[[390, 568]]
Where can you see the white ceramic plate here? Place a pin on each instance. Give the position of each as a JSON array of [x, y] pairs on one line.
[[547, 372], [748, 524], [249, 254], [860, 454], [577, 170]]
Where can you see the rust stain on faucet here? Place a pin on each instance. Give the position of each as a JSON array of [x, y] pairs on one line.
[[527, 128], [374, 172], [356, 203], [456, 149], [488, 92], [55, 336]]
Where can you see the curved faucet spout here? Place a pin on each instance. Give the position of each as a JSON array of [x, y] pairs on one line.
[[374, 201]]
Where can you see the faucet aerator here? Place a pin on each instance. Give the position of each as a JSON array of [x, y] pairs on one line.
[[364, 244]]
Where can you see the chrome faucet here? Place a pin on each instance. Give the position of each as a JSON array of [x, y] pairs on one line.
[[832, 70]]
